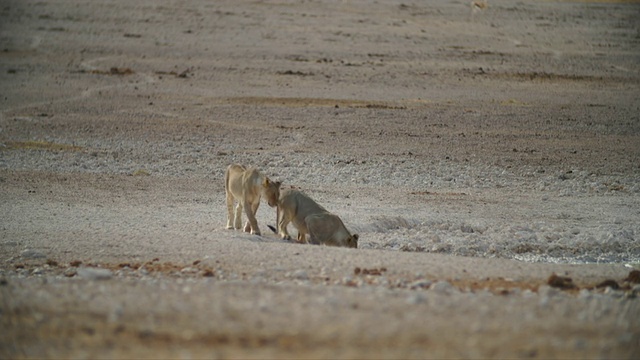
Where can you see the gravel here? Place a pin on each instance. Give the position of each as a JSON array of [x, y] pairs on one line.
[[488, 160]]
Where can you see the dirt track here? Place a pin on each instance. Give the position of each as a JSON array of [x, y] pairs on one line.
[[467, 148]]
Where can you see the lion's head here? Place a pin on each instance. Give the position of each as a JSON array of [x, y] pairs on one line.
[[352, 241], [271, 191]]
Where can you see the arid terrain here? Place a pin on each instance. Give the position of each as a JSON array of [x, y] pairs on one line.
[[487, 156]]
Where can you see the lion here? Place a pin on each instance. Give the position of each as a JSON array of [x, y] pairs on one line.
[[308, 217], [246, 185]]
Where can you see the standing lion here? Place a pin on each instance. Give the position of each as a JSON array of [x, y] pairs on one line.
[[244, 185]]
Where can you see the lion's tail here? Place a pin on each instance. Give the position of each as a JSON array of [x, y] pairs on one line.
[[275, 231]]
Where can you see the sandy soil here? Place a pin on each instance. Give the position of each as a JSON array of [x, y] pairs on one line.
[[488, 159]]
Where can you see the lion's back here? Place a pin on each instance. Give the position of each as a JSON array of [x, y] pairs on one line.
[[300, 204], [242, 180]]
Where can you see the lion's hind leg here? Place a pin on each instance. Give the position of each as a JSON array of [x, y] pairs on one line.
[[252, 223], [324, 229], [230, 216], [315, 226]]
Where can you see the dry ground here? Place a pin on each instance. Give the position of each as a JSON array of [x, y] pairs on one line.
[[422, 125]]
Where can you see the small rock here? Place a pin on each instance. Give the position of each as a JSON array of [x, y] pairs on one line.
[[560, 282], [70, 272], [612, 292], [115, 314], [95, 273], [208, 273], [585, 294], [566, 176], [300, 275], [466, 229], [608, 284], [348, 281], [420, 284], [547, 291], [261, 273], [32, 254], [189, 270], [415, 299], [442, 287], [324, 272], [381, 281], [51, 262]]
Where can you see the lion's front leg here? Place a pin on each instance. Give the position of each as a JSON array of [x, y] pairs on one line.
[[282, 225], [302, 237]]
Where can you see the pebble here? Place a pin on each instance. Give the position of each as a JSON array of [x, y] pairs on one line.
[[584, 294], [614, 293], [70, 272], [95, 273], [547, 291], [324, 272], [347, 280], [261, 274], [32, 254], [115, 314], [442, 287], [300, 275], [420, 284], [417, 298], [189, 270]]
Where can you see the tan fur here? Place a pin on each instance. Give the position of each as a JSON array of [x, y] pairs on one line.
[[308, 217], [245, 185], [479, 4]]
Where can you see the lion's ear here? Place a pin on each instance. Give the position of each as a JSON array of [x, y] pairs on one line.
[[266, 182], [278, 183], [353, 241]]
